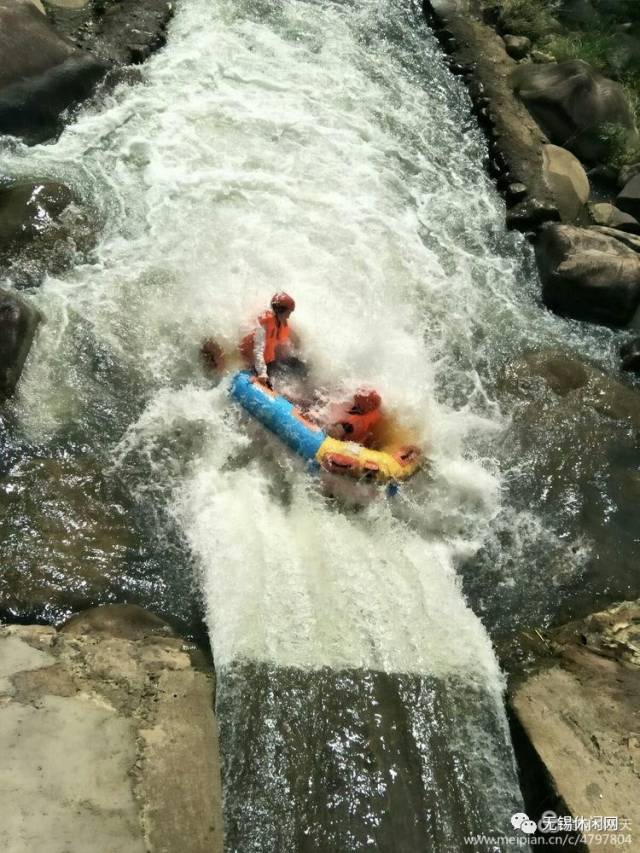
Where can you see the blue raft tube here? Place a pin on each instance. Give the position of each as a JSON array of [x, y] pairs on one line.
[[312, 443]]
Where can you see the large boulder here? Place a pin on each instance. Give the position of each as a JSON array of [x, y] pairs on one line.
[[18, 324], [567, 181], [108, 738], [578, 711], [42, 226], [629, 198], [574, 105], [588, 275], [120, 31], [41, 73], [517, 46]]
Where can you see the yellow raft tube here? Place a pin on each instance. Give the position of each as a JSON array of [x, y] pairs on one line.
[[394, 462]]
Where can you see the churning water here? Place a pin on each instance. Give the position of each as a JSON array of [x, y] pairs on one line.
[[322, 148]]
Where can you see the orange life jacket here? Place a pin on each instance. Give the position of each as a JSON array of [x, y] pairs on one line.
[[358, 425], [276, 334]]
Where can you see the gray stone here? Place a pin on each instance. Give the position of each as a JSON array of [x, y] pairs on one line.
[[628, 172], [517, 46], [579, 712], [108, 742], [42, 226], [516, 192], [482, 51], [630, 240], [609, 216], [573, 104], [541, 58], [630, 355], [537, 376], [530, 214], [577, 426], [44, 569], [41, 73], [119, 32], [629, 198], [567, 181], [18, 323], [588, 275]]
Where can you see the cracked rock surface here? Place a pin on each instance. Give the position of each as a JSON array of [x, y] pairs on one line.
[[108, 739]]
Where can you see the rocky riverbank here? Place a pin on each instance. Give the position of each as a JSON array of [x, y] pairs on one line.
[[108, 739], [562, 142], [577, 723], [55, 55], [563, 149]]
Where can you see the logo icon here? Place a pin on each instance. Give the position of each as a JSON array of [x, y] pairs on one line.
[[521, 821]]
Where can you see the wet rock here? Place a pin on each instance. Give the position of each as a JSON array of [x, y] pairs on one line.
[[42, 226], [515, 192], [517, 46], [66, 538], [41, 74], [531, 213], [629, 198], [630, 355], [119, 31], [630, 240], [18, 324], [553, 373], [125, 709], [577, 428], [567, 180], [628, 172], [588, 275], [579, 711], [572, 103], [609, 216]]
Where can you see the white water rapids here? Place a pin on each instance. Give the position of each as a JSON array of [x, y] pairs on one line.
[[320, 148]]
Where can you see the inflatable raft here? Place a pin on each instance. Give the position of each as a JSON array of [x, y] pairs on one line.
[[311, 442]]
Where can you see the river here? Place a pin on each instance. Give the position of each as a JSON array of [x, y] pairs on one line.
[[322, 148]]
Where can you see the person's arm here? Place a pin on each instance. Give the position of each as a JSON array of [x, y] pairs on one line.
[[341, 431], [259, 341]]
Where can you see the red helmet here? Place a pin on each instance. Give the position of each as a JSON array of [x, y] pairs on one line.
[[366, 400], [282, 302]]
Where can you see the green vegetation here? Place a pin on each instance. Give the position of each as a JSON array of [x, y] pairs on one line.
[[604, 33], [532, 18], [619, 150], [594, 48]]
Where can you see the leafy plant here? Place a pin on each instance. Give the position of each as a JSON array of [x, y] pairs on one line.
[[620, 149], [592, 47], [532, 18]]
